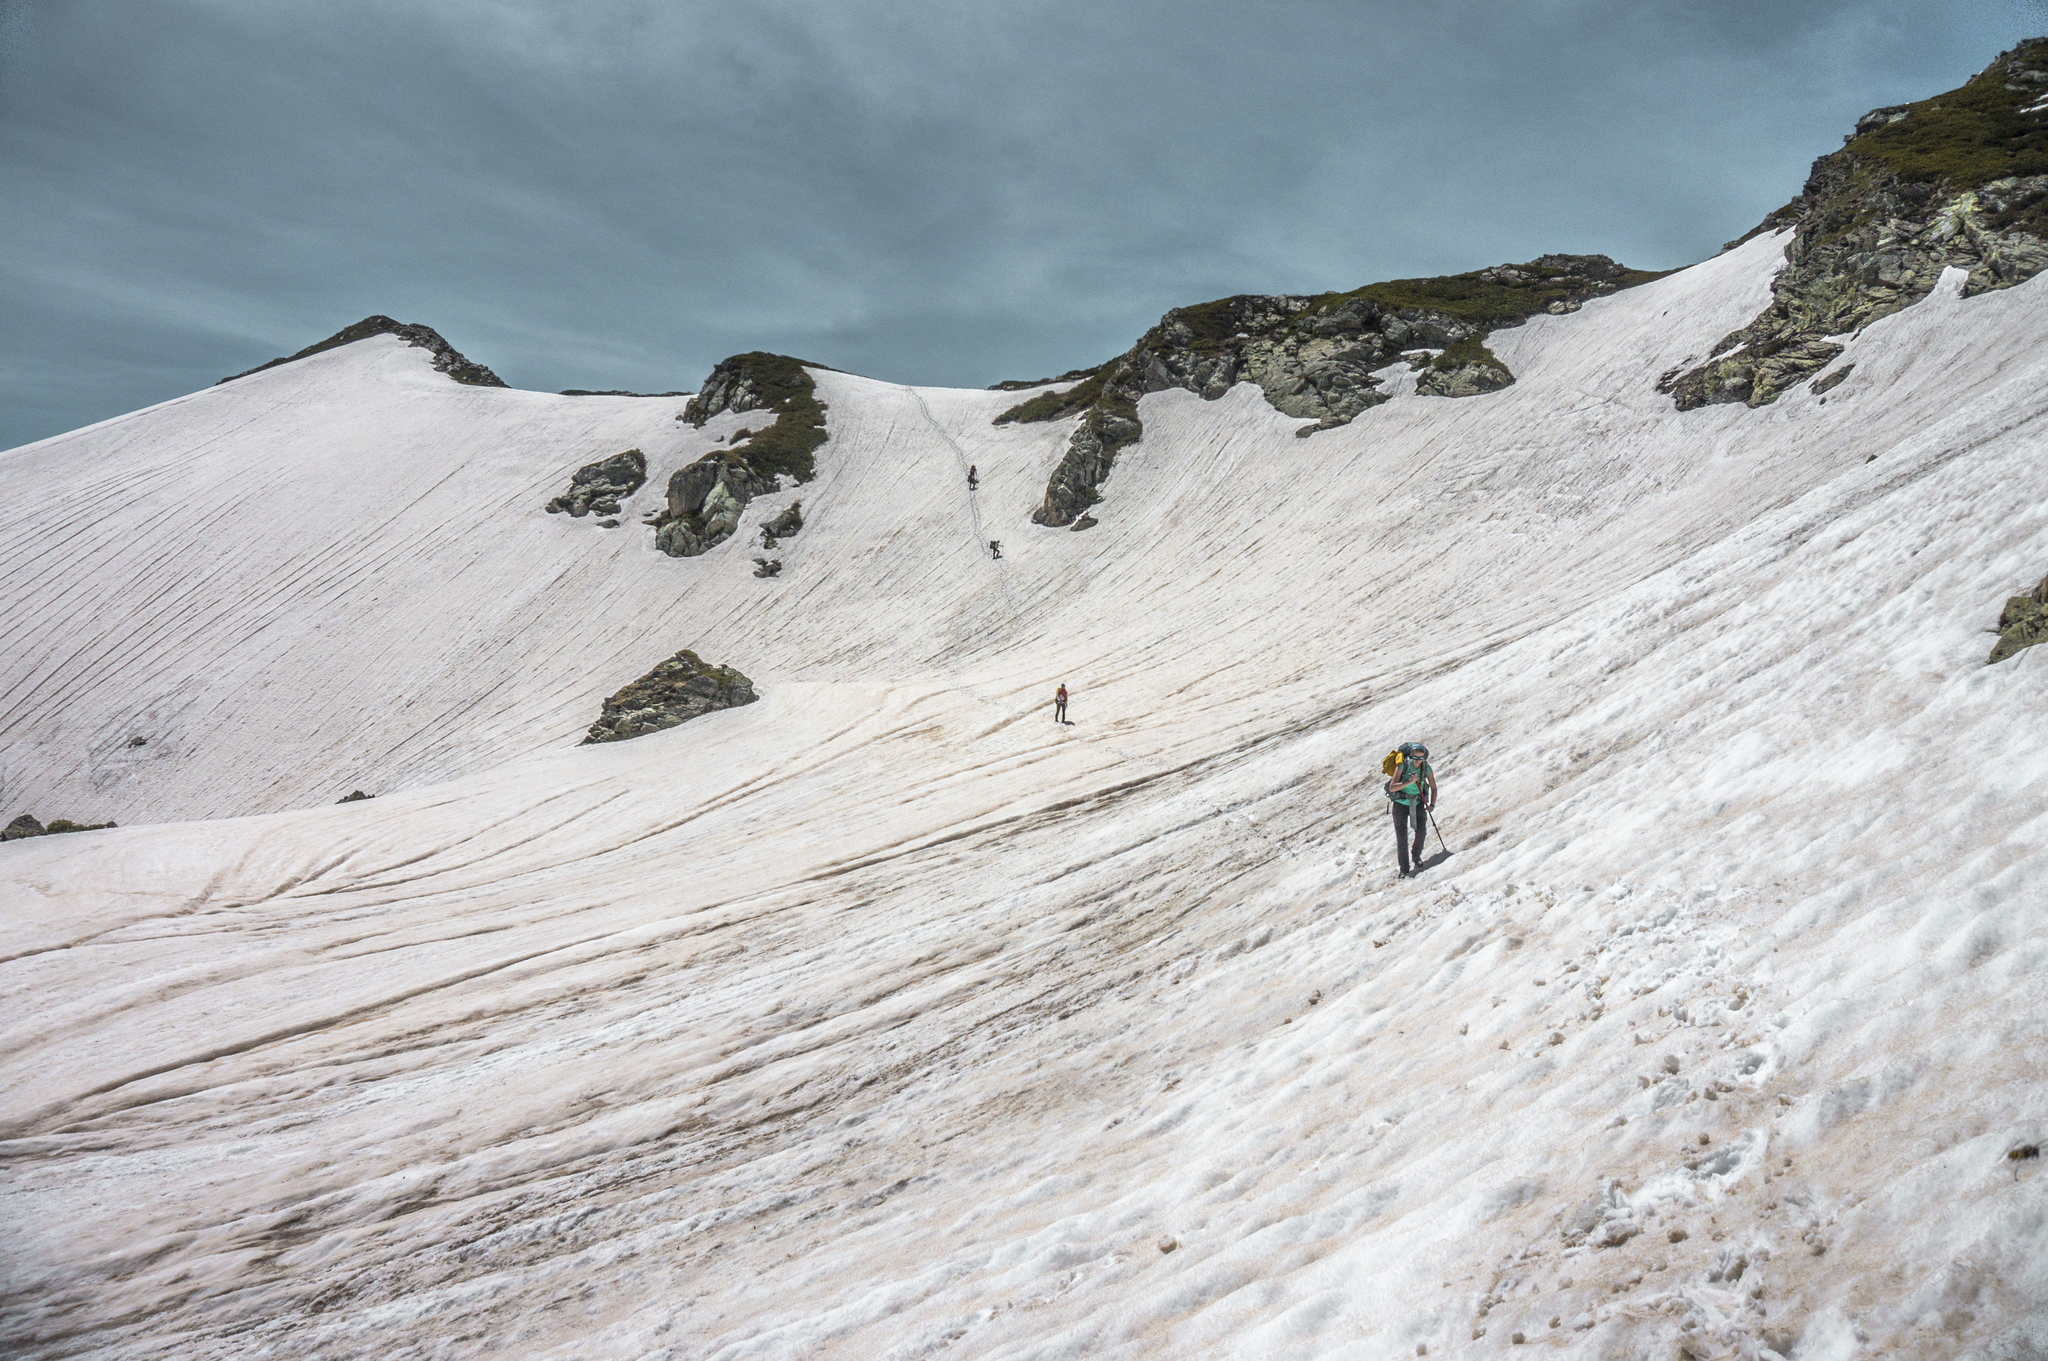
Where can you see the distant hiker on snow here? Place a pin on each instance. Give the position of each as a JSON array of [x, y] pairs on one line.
[[1411, 786], [995, 548], [1059, 705], [973, 479]]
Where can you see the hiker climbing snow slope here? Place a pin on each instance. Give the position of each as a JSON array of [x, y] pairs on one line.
[[1411, 788]]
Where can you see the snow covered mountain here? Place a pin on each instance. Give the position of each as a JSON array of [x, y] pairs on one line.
[[884, 1016]]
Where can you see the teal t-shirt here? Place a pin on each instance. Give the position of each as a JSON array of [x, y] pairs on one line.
[[1407, 781]]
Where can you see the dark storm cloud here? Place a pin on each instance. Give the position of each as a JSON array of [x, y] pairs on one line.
[[617, 194]]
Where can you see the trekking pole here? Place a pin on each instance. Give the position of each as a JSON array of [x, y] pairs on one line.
[[1431, 812]]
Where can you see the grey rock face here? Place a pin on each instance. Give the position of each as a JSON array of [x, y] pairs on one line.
[[679, 689], [732, 386], [1878, 222], [705, 500], [602, 485], [23, 826]]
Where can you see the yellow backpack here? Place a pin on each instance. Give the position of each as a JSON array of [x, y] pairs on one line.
[[1392, 763]]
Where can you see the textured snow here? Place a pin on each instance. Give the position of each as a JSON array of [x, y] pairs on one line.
[[885, 1018]]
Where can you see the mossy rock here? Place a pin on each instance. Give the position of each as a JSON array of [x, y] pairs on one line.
[[1956, 181], [2021, 624], [679, 689], [26, 825], [1465, 368], [759, 381]]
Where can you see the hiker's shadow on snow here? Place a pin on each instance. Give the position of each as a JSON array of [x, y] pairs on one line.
[[1433, 861]]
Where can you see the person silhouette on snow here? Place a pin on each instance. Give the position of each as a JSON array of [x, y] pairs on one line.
[[1059, 705], [1411, 787], [973, 478], [995, 549]]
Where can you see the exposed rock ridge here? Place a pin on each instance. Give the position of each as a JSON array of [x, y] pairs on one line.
[[1313, 356], [1957, 180], [447, 359], [706, 498], [680, 689]]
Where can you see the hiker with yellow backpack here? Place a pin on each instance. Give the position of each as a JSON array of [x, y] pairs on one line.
[[1411, 787]]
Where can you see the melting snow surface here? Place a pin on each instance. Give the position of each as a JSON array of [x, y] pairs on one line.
[[886, 1018]]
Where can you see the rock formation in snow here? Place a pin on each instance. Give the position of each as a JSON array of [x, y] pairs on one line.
[[1957, 181], [681, 688], [26, 825], [602, 485], [706, 499], [2022, 623], [1312, 356]]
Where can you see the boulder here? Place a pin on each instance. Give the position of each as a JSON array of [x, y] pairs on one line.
[[705, 500], [679, 689], [1465, 368], [23, 826], [784, 525], [602, 485], [2021, 624]]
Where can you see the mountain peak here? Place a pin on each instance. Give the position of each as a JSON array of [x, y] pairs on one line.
[[447, 359]]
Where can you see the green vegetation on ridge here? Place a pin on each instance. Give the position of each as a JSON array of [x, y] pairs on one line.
[[1971, 135], [780, 385]]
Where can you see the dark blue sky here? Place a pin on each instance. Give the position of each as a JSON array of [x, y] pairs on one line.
[[616, 194]]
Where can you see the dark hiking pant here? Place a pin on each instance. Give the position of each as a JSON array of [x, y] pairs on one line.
[[1059, 711], [1411, 858]]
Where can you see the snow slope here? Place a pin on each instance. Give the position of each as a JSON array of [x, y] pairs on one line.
[[883, 1017]]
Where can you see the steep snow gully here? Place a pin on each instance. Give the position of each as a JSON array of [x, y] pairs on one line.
[[884, 1017]]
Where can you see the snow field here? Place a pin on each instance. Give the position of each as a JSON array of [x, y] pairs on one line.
[[883, 1018]]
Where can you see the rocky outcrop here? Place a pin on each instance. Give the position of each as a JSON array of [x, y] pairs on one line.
[[26, 826], [447, 359], [2022, 623], [602, 485], [706, 498], [1958, 180], [680, 689], [783, 526], [705, 501], [1465, 369], [1313, 357]]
